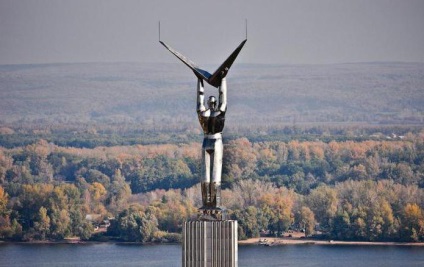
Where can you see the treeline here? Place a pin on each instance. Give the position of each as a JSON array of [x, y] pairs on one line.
[[351, 210], [353, 190], [305, 165], [45, 211], [127, 134]]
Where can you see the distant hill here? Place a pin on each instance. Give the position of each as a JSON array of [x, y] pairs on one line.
[[164, 94]]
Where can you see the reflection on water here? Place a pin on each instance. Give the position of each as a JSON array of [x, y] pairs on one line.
[[108, 254]]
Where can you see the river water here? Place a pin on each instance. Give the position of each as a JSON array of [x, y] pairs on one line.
[[109, 254]]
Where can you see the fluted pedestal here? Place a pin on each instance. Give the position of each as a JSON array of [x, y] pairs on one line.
[[210, 244]]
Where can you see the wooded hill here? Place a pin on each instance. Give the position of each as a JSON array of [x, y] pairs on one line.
[[162, 96]]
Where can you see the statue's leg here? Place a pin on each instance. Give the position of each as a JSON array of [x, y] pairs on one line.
[[211, 189], [217, 172], [205, 176]]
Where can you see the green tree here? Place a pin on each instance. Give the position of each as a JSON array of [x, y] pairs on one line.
[[341, 227], [16, 232], [360, 229], [95, 176], [307, 220], [79, 225], [134, 225], [118, 193], [60, 224], [42, 225], [323, 202], [248, 222]]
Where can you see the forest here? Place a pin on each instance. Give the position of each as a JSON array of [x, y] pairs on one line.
[[111, 151], [368, 189]]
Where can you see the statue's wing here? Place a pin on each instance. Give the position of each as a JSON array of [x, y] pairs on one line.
[[215, 78], [201, 74], [221, 72]]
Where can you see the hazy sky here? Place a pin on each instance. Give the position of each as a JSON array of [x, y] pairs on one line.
[[298, 31]]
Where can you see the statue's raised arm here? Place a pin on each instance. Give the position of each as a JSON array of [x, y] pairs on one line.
[[223, 95], [200, 96]]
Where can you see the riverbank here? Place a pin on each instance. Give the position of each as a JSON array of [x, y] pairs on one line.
[[305, 241], [251, 241]]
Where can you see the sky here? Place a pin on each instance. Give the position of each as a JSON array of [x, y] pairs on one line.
[[279, 31]]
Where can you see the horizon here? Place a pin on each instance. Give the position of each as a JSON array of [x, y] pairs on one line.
[[210, 64]]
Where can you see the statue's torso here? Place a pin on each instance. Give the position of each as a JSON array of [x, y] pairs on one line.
[[212, 122]]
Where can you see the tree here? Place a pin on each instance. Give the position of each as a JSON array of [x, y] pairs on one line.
[[161, 172], [60, 224], [135, 225], [248, 222], [42, 225], [148, 226], [3, 201], [118, 193], [97, 194], [307, 220], [6, 163], [381, 225], [29, 201], [360, 229], [79, 225], [413, 223], [248, 192], [5, 227], [323, 202], [95, 176], [341, 227], [239, 161], [276, 208], [16, 232]]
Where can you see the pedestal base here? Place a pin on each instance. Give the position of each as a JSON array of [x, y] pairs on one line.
[[212, 214], [210, 244]]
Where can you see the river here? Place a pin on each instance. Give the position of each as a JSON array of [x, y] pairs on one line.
[[109, 254]]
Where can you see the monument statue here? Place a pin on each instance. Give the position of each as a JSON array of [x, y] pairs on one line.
[[211, 240], [212, 120]]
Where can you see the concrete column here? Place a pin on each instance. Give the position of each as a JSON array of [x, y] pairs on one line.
[[210, 244]]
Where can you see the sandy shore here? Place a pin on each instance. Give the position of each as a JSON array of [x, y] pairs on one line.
[[304, 241]]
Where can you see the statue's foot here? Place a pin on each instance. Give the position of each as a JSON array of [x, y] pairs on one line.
[[212, 213]]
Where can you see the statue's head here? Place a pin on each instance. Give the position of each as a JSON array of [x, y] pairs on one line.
[[212, 103]]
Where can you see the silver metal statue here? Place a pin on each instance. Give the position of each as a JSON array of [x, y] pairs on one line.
[[212, 121]]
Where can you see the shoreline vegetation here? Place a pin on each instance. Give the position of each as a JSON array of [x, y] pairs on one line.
[[262, 241], [280, 241]]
